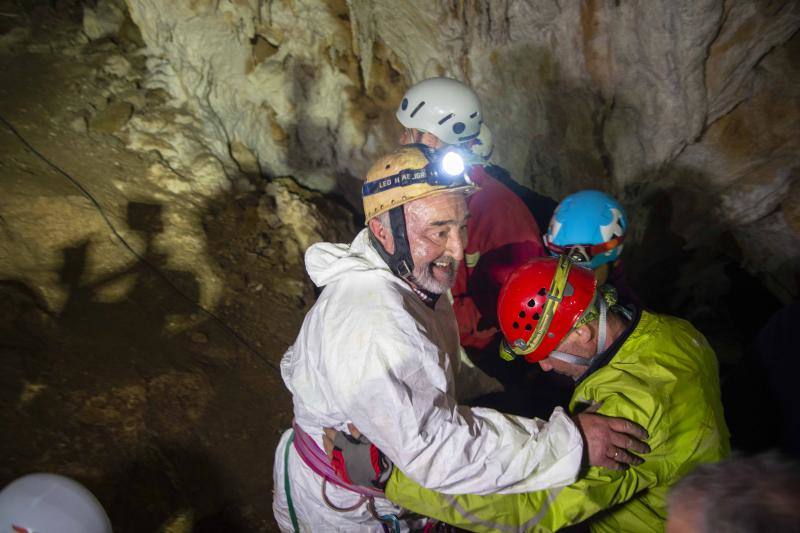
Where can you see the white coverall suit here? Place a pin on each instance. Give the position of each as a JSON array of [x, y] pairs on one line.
[[370, 352]]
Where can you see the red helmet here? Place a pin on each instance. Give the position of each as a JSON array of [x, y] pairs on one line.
[[540, 303]]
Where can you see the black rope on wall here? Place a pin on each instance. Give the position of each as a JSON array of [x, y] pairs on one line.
[[139, 257]]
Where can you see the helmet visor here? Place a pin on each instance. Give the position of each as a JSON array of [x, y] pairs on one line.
[[582, 253]]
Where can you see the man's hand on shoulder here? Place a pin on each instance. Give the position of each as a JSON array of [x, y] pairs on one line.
[[611, 442]]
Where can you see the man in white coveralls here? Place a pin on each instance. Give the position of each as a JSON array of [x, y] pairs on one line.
[[379, 349]]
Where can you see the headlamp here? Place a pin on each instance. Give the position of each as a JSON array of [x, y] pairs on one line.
[[445, 169], [452, 163]]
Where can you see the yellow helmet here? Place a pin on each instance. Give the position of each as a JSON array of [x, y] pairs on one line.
[[412, 172]]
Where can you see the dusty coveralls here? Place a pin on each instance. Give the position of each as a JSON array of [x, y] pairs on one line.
[[662, 374], [502, 236], [372, 353]]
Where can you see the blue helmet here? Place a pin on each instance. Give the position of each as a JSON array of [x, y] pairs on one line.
[[588, 227]]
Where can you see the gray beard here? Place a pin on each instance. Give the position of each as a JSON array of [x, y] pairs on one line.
[[425, 279]]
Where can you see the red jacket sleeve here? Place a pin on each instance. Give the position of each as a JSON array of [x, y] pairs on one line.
[[502, 235]]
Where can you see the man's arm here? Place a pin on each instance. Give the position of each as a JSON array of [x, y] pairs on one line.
[[456, 449], [545, 510], [400, 397]]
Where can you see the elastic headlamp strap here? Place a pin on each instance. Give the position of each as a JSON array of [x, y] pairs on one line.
[[569, 358]]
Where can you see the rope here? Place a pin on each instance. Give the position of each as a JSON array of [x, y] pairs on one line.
[[335, 507], [287, 487], [385, 520]]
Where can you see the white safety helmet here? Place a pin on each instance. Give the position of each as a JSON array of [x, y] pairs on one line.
[[48, 503], [444, 107]]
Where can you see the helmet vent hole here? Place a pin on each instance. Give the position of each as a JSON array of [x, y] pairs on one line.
[[475, 114], [522, 314], [542, 291], [404, 104], [528, 327], [416, 109], [536, 316], [445, 119], [531, 303], [459, 127], [516, 325]]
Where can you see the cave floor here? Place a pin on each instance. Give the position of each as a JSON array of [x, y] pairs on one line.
[[161, 411]]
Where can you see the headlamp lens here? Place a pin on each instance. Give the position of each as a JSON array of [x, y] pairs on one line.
[[452, 164]]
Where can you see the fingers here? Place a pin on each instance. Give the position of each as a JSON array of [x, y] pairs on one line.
[[618, 459], [353, 430], [623, 458], [626, 426], [327, 441], [608, 460], [625, 442], [611, 442]]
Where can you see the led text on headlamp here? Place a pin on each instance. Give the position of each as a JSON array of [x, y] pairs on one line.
[[444, 171]]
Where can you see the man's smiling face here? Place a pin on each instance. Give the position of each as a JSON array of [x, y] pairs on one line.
[[437, 235]]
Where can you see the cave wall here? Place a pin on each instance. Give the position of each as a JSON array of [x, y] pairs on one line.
[[692, 101], [687, 111]]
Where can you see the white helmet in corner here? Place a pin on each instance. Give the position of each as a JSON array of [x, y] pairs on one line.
[[444, 107], [48, 503]]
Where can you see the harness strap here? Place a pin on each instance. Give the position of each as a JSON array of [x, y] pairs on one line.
[[318, 461]]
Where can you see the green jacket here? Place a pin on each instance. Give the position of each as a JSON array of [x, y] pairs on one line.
[[662, 374]]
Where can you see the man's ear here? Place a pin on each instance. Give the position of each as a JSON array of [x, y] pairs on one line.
[[585, 334], [383, 234], [429, 139]]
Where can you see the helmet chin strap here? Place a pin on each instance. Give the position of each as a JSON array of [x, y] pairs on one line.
[[401, 262], [601, 342]]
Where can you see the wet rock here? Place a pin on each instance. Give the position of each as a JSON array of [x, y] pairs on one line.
[[78, 125], [177, 400], [121, 411], [117, 65], [13, 38], [613, 95], [104, 19], [112, 118], [182, 522], [245, 159], [299, 219], [198, 337]]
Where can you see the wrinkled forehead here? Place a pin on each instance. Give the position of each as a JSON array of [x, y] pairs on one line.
[[437, 210]]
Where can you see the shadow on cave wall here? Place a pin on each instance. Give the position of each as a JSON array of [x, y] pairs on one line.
[[688, 263], [701, 279], [311, 151], [158, 424]]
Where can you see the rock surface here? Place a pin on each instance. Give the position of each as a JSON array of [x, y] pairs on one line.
[[622, 96]]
